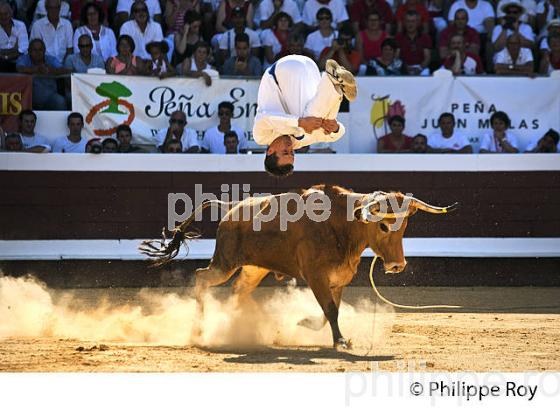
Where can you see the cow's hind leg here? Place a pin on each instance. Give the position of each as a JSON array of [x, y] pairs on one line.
[[318, 322], [246, 283]]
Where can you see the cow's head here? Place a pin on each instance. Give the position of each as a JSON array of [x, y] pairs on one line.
[[386, 216]]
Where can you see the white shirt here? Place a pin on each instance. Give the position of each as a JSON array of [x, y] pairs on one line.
[[56, 40], [317, 43], [124, 6], [41, 11], [481, 12], [35, 140], [189, 138], [551, 10], [489, 143], [214, 140], [524, 57], [227, 40], [152, 33], [19, 34], [524, 29], [63, 144], [106, 46], [529, 5], [456, 142], [269, 39], [337, 8], [266, 9]]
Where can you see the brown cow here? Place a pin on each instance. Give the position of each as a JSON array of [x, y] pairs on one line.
[[323, 254]]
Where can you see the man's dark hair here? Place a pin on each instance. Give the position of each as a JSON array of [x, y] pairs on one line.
[[421, 136], [500, 115], [27, 112], [122, 127], [75, 115], [446, 114], [397, 118], [191, 16], [109, 140], [242, 38], [553, 134], [280, 15], [202, 44], [324, 11], [271, 166], [389, 42], [226, 104], [36, 40], [231, 134]]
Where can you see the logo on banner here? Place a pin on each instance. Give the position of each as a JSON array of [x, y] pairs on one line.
[[114, 104], [381, 110]]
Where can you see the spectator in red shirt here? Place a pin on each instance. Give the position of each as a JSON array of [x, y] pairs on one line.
[[413, 5], [395, 141], [360, 9], [415, 48], [368, 41], [459, 26], [460, 61], [342, 51]]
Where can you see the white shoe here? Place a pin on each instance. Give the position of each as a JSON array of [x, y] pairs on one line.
[[342, 78]]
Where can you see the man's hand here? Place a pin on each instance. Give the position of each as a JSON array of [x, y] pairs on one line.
[[310, 124], [329, 126], [207, 78]]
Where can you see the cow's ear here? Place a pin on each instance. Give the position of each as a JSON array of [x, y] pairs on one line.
[[359, 216]]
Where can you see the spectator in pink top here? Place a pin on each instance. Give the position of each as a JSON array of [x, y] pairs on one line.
[[368, 41]]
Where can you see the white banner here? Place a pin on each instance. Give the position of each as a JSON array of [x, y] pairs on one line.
[[145, 103], [532, 104]]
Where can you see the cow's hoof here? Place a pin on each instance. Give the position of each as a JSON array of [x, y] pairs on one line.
[[343, 344], [313, 323]]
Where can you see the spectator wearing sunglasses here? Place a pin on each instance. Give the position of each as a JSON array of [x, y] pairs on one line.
[[142, 30], [177, 130], [83, 60]]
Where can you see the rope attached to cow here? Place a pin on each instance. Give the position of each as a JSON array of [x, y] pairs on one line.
[[403, 306]]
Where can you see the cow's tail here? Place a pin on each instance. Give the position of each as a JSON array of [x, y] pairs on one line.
[[163, 251]]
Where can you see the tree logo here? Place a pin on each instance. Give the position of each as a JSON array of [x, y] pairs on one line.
[[381, 110], [113, 91]]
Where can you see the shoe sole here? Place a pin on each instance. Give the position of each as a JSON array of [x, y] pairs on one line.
[[344, 78]]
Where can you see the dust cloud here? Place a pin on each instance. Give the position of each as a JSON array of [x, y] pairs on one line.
[[29, 309]]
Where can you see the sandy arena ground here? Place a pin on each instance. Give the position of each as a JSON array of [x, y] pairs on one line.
[[133, 330]]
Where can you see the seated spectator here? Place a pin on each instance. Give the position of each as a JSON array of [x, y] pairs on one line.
[[311, 9], [552, 29], [323, 37], [460, 61], [275, 40], [369, 40], [197, 66], [94, 146], [225, 16], [32, 142], [243, 63], [13, 143], [82, 61], [73, 142], [547, 144], [395, 141], [435, 8], [227, 39], [172, 146], [551, 60], [448, 139], [141, 29], [387, 64], [266, 16], [415, 48], [547, 10], [481, 14], [213, 141], [103, 38], [77, 7], [159, 66], [177, 130], [124, 137], [342, 51], [360, 11], [45, 89], [418, 7], [459, 26], [110, 146], [175, 12], [13, 39], [529, 13], [419, 144], [125, 62], [500, 139], [296, 43], [55, 32], [511, 24], [187, 37], [514, 60], [124, 10], [41, 11], [231, 142]]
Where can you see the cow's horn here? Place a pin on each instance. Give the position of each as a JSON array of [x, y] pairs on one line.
[[380, 196], [423, 206]]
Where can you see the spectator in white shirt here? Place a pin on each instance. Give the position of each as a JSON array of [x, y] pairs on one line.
[[103, 38], [177, 131], [142, 30], [448, 139], [55, 32], [72, 143], [213, 141], [337, 8], [32, 142], [528, 16], [124, 11], [323, 37], [481, 14], [549, 143], [41, 11], [269, 9], [547, 10], [512, 24], [514, 59], [13, 38], [227, 39], [500, 139]]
